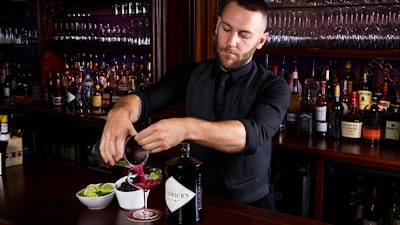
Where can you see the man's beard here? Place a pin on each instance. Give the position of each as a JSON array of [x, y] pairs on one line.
[[228, 65]]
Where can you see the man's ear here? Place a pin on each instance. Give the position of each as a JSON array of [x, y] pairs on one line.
[[263, 39]]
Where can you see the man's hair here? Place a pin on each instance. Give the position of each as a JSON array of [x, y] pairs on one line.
[[251, 5]]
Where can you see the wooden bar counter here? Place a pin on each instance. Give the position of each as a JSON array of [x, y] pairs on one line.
[[43, 192]]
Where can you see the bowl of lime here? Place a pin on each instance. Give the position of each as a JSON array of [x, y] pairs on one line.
[[96, 196]]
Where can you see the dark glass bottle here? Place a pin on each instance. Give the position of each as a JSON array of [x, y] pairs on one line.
[[335, 115], [372, 214], [352, 122], [183, 190], [372, 126], [4, 137], [306, 115], [392, 124]]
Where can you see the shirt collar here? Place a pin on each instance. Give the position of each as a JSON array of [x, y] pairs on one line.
[[236, 73]]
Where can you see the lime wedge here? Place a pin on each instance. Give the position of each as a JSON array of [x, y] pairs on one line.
[[107, 188], [91, 190], [91, 195]]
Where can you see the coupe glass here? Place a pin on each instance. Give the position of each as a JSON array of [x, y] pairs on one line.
[[145, 178]]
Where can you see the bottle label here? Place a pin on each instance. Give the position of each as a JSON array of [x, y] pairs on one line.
[[176, 195], [320, 113], [291, 117], [96, 101], [392, 130], [364, 99], [351, 129]]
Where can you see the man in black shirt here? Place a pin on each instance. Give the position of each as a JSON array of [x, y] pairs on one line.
[[230, 131]]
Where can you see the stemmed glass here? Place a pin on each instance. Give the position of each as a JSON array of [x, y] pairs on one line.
[[145, 178]]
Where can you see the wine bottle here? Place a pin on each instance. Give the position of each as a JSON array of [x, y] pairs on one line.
[[321, 110], [372, 126], [392, 125], [183, 190], [335, 115], [372, 214], [351, 122]]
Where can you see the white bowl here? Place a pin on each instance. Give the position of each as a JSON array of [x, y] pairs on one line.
[[96, 202], [129, 200]]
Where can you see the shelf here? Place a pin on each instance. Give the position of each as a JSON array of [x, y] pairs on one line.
[[331, 53]]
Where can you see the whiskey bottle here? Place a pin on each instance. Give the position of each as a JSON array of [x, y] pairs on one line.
[[294, 106], [372, 127], [352, 122], [335, 115], [364, 92], [321, 110], [183, 190], [306, 115]]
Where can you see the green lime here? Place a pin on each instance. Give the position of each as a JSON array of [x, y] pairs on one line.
[[92, 195], [107, 188], [156, 174], [89, 190]]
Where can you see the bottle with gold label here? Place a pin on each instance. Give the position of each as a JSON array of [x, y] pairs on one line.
[[364, 92]]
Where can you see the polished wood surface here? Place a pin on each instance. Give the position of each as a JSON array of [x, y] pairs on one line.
[[43, 192]]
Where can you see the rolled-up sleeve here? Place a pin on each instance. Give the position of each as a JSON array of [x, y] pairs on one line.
[[266, 115]]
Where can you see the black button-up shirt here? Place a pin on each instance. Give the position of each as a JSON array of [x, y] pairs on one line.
[[255, 96]]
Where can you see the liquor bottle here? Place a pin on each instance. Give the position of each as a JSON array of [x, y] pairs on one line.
[[321, 110], [183, 190], [335, 115], [87, 84], [96, 100], [392, 124], [329, 83], [106, 97], [372, 126], [364, 92], [294, 106], [4, 137], [58, 97], [352, 122], [70, 94], [372, 214], [348, 77], [312, 82], [306, 115]]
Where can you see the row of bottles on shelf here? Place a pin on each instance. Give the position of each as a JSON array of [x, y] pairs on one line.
[[332, 104], [90, 84], [370, 205]]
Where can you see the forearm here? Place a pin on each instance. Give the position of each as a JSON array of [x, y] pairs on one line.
[[129, 105], [226, 136]]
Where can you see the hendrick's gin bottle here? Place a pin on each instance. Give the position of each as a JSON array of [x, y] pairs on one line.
[[183, 191]]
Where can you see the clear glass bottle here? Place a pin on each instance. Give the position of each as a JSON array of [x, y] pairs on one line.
[[321, 110], [183, 190]]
